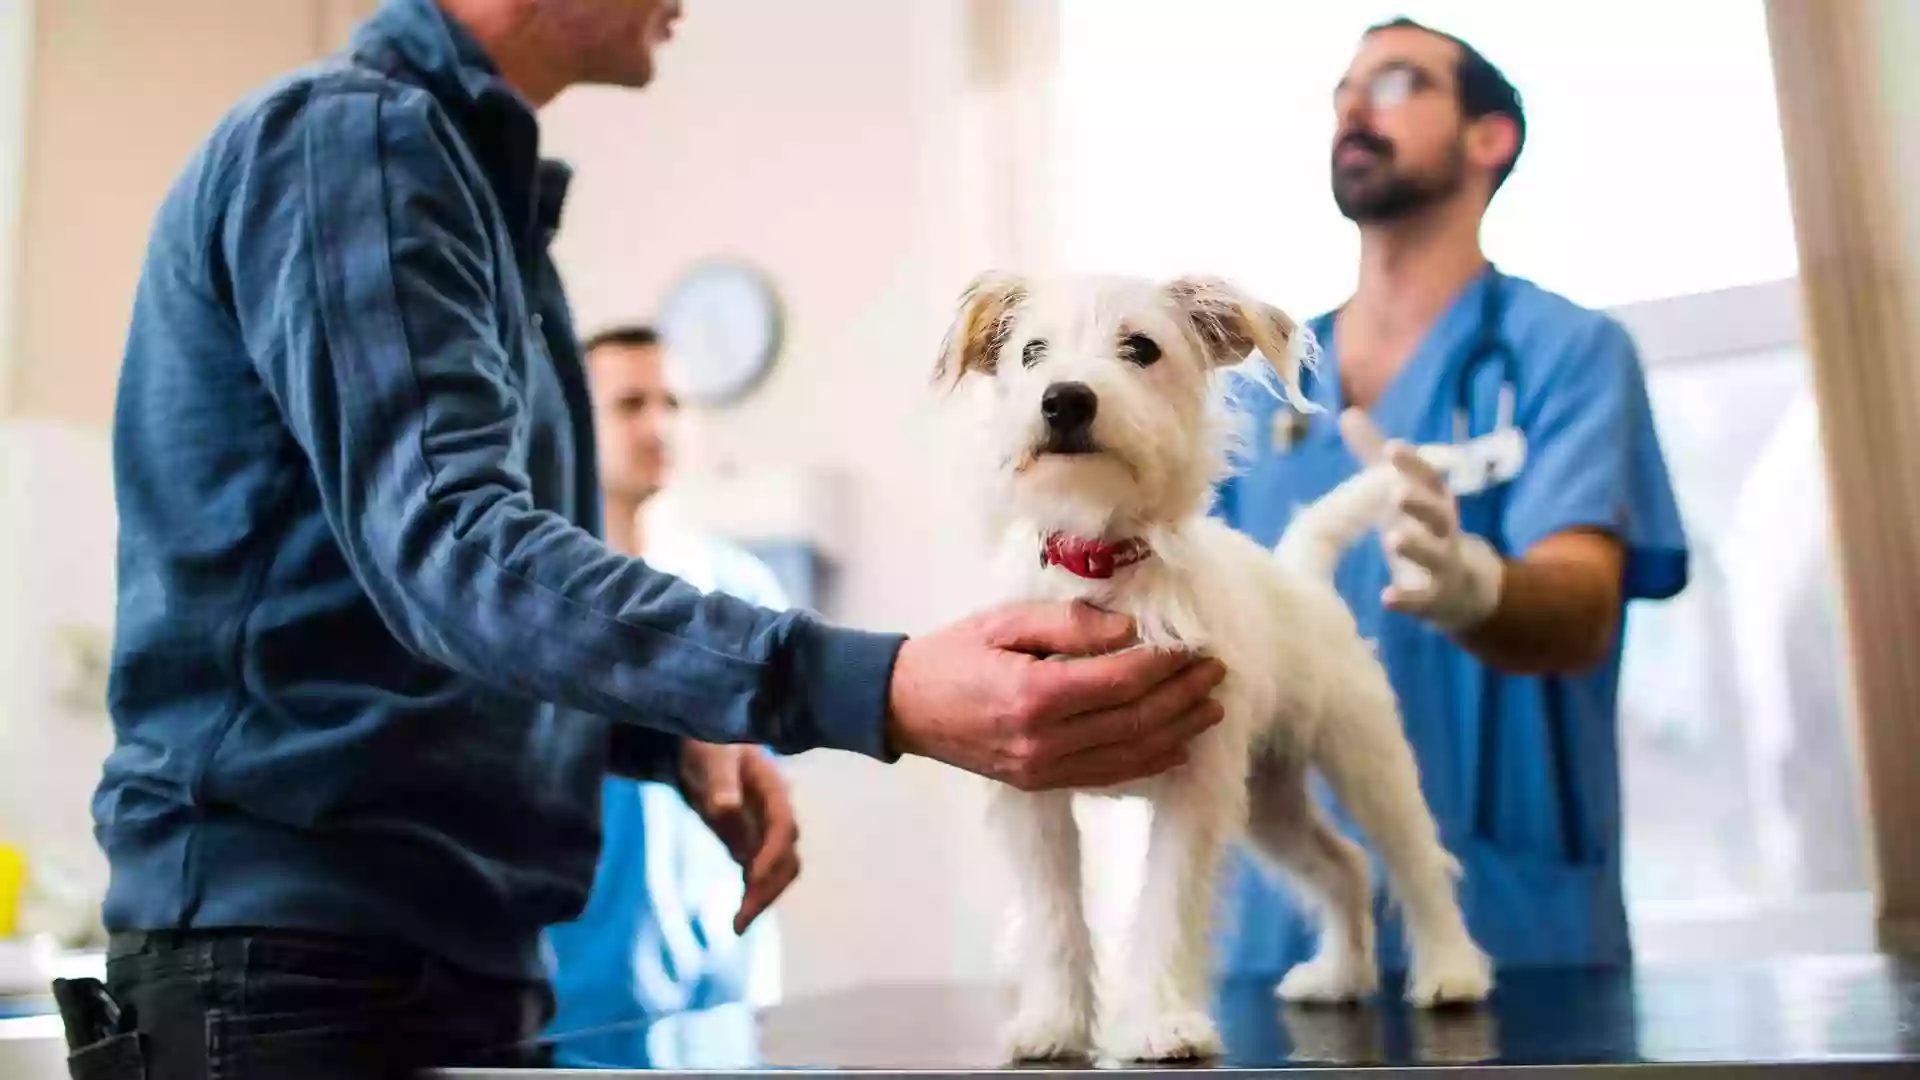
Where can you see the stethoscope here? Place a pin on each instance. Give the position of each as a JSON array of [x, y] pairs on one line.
[[1472, 463], [1487, 460]]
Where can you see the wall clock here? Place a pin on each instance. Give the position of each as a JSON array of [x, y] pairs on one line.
[[721, 324]]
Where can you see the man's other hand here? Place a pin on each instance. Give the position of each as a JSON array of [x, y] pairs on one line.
[[1044, 696], [1440, 572], [743, 798]]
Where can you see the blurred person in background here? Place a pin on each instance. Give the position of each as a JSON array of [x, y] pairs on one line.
[[372, 660], [667, 927], [1504, 642]]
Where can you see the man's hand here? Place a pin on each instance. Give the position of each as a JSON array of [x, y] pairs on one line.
[[742, 797], [1446, 576], [1554, 609], [979, 696]]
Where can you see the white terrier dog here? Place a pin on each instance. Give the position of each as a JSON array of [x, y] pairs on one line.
[[1109, 429]]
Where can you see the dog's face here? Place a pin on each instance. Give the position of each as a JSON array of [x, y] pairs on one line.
[[1106, 402]]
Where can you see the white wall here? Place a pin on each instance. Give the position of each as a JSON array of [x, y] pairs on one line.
[[830, 144], [56, 577], [100, 151]]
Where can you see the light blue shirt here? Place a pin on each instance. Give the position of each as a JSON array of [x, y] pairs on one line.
[[656, 938], [1522, 773]]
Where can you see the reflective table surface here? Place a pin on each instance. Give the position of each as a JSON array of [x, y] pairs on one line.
[[1831, 1016]]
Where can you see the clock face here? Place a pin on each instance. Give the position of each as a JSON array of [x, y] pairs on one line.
[[721, 327]]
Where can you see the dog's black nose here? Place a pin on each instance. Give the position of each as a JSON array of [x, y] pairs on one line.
[[1069, 406]]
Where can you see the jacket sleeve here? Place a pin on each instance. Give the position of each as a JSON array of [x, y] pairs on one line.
[[369, 287]]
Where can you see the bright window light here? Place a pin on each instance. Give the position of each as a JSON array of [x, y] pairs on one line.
[[1193, 137]]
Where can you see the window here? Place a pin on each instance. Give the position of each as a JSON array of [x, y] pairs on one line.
[[1742, 803], [1195, 137]]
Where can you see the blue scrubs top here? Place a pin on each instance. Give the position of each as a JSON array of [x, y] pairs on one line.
[[656, 936], [1522, 773]]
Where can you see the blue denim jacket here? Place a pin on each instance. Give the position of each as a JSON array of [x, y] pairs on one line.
[[371, 661]]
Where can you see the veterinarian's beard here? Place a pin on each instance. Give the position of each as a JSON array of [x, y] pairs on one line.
[[1367, 199]]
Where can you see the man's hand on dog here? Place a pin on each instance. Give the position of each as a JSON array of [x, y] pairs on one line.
[[1040, 696], [743, 798]]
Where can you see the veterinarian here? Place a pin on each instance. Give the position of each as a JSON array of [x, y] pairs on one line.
[[372, 660], [1506, 657], [666, 927]]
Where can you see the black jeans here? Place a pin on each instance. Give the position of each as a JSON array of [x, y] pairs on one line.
[[199, 1005]]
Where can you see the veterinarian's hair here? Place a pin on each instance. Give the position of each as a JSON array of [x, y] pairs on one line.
[[1483, 89], [630, 335]]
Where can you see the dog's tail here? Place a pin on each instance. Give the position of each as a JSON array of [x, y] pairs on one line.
[[1322, 531]]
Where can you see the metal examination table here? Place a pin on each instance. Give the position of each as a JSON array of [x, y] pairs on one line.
[[1824, 1017]]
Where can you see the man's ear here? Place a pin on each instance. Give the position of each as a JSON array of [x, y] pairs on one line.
[[1230, 325], [980, 326], [1493, 141]]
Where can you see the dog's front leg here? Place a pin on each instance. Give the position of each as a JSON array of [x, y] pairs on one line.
[[1052, 951], [1161, 1002]]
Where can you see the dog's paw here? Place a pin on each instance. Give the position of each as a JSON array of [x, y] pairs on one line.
[[1328, 980], [1460, 975], [1047, 1034], [1179, 1034]]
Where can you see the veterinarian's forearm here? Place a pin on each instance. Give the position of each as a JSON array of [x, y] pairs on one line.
[[1554, 616]]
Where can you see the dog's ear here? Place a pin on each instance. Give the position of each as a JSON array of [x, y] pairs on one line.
[[979, 326], [1230, 325]]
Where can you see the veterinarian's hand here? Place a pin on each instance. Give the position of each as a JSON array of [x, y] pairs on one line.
[[1441, 573], [743, 798], [978, 695]]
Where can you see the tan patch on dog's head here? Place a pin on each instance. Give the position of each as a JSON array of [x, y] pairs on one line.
[[1231, 324], [979, 327]]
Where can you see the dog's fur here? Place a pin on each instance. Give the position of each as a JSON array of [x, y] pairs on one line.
[[1303, 689]]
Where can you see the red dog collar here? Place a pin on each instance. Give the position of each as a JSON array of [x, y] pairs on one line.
[[1096, 559]]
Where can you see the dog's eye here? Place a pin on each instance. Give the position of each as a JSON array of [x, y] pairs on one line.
[[1139, 349], [1032, 354]]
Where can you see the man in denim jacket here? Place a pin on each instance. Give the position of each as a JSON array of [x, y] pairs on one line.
[[372, 658]]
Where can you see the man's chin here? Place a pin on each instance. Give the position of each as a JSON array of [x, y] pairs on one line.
[[630, 75], [1377, 205], [1358, 199]]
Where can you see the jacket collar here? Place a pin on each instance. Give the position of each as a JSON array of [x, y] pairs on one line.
[[418, 42], [553, 178]]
